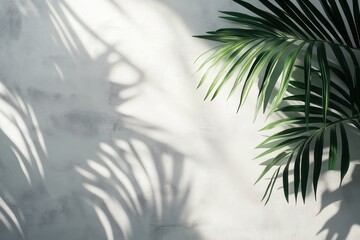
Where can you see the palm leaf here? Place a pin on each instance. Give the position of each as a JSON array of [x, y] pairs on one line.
[[320, 104], [304, 133]]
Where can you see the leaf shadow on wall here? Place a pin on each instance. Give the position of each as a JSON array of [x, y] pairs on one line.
[[22, 147], [100, 175], [346, 217], [347, 198]]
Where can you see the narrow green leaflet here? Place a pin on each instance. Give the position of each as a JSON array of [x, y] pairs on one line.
[[325, 75], [333, 149], [272, 180], [307, 80], [286, 178], [305, 169], [273, 184], [345, 153], [272, 163], [297, 171], [318, 155]]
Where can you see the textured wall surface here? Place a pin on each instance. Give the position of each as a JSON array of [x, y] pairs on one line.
[[104, 137]]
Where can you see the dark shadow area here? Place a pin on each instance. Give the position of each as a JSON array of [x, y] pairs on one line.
[[73, 166], [347, 196], [347, 216]]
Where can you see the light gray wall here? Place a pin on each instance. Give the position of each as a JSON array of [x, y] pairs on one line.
[[105, 137]]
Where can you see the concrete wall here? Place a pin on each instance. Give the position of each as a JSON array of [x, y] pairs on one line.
[[105, 137]]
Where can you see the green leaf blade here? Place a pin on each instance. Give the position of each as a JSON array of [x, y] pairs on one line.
[[325, 77], [305, 169], [333, 149], [307, 80], [272, 163], [345, 153], [318, 155], [286, 178]]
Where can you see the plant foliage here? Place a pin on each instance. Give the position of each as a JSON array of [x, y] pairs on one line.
[[287, 50]]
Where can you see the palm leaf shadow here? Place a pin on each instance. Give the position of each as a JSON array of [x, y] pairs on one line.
[[346, 216], [152, 202], [23, 153], [144, 191]]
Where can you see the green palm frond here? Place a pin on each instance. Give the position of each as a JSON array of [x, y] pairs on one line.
[[302, 135], [320, 104]]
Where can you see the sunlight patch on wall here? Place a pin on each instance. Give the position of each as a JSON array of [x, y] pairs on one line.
[[22, 166], [62, 29], [104, 222], [17, 121], [85, 174], [113, 206], [4, 207]]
